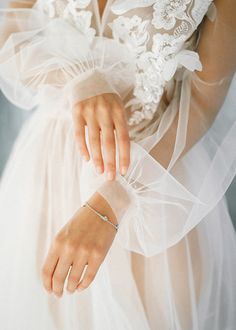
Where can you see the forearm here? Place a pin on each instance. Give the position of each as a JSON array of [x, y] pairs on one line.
[[216, 49], [109, 190], [202, 111], [197, 104], [102, 206]]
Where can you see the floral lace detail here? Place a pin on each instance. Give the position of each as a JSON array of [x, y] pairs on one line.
[[157, 66], [73, 11], [166, 12], [154, 69], [174, 22], [131, 31], [81, 19]]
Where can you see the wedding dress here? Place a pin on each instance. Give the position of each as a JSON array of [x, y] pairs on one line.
[[172, 264]]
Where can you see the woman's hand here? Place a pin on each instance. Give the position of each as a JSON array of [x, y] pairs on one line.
[[102, 115], [84, 240]]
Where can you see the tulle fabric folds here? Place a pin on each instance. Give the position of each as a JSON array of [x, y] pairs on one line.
[[179, 173], [44, 57], [166, 202], [170, 205]]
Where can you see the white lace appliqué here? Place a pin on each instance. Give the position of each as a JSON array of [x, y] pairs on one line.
[[131, 31], [158, 65], [166, 12], [157, 58], [74, 12]]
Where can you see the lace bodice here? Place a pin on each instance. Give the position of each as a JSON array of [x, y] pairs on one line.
[[156, 32]]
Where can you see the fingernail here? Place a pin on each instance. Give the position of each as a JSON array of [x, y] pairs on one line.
[[123, 170], [86, 158], [109, 175], [69, 291], [80, 288], [59, 294], [99, 169]]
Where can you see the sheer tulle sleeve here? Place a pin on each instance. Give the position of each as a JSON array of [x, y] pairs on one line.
[[182, 170], [46, 55], [179, 174]]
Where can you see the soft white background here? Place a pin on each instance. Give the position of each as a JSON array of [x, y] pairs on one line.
[[11, 120]]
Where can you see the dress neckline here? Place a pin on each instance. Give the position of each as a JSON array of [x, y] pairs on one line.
[[103, 8], [101, 19]]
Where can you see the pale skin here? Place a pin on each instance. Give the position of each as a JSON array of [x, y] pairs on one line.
[[92, 244], [86, 239], [93, 247], [104, 116]]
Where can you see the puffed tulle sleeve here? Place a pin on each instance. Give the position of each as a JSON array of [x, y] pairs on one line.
[[179, 173], [44, 57]]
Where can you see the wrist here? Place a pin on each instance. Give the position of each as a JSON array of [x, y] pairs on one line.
[[102, 206]]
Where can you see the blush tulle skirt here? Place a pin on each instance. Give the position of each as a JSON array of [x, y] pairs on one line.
[[190, 285]]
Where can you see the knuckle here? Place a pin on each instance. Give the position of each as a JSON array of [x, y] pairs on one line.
[[110, 165], [124, 143], [79, 134], [110, 169], [45, 272], [106, 124], [118, 110], [104, 106], [84, 248], [109, 140], [69, 248], [97, 254], [94, 139], [89, 112], [97, 159], [119, 116], [81, 142], [78, 109], [89, 278], [82, 148], [124, 138], [73, 278], [57, 278], [58, 242], [56, 246], [97, 250]]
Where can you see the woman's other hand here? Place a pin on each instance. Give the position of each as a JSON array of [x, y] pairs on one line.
[[104, 116], [84, 240]]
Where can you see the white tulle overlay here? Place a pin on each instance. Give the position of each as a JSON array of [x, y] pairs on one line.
[[172, 264]]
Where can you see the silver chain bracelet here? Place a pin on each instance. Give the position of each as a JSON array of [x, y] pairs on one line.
[[103, 217]]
